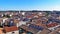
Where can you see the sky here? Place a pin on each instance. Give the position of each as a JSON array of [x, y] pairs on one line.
[[29, 4]]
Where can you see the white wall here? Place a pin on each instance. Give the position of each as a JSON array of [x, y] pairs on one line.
[[15, 32]]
